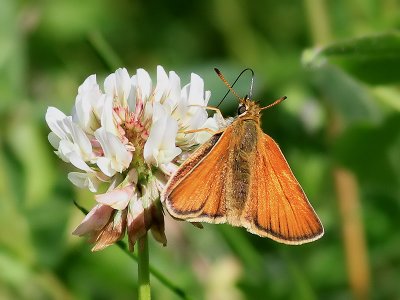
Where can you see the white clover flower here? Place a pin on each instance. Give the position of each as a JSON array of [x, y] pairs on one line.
[[129, 137]]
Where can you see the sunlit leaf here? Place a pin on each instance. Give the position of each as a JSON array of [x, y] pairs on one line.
[[374, 59]]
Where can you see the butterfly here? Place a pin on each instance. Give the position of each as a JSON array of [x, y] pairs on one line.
[[240, 177]]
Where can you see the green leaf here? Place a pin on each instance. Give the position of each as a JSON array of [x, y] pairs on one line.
[[373, 153], [349, 97], [373, 59]]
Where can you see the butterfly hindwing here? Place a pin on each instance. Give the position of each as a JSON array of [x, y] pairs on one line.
[[277, 206]]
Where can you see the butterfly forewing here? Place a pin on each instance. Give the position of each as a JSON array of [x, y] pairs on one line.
[[197, 194], [277, 206]]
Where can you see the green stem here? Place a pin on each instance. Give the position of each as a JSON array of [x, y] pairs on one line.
[[106, 52], [143, 269]]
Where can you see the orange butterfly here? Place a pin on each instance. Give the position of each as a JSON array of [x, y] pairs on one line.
[[240, 176]]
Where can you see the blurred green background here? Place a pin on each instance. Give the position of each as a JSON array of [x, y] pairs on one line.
[[338, 62]]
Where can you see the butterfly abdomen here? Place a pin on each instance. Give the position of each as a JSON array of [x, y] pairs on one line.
[[242, 153]]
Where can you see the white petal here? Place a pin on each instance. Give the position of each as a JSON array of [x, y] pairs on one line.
[[107, 117], [159, 112], [196, 94], [207, 96], [168, 155], [143, 82], [203, 136], [135, 209], [81, 140], [154, 141], [118, 86], [169, 168], [123, 85], [88, 105], [54, 140], [150, 193], [69, 152], [162, 88], [118, 198], [105, 166], [53, 118], [160, 146], [116, 157], [175, 90], [85, 180]]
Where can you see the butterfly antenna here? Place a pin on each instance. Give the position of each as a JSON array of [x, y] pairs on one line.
[[231, 86], [274, 103], [251, 83]]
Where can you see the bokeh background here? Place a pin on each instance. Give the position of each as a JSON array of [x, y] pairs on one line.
[[338, 62]]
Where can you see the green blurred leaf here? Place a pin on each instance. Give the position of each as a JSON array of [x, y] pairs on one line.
[[33, 152], [373, 59], [350, 98], [13, 222], [373, 152], [12, 59]]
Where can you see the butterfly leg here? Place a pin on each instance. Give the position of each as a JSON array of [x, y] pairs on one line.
[[210, 108], [210, 131]]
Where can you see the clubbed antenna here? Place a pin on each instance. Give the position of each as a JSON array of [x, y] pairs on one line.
[[274, 103]]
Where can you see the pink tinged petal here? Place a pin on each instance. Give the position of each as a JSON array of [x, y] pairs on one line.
[[140, 220], [95, 220], [118, 198], [136, 229], [112, 232]]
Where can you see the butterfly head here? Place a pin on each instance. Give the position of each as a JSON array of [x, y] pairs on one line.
[[248, 108]]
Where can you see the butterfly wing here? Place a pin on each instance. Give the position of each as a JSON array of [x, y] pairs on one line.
[[277, 206], [196, 192]]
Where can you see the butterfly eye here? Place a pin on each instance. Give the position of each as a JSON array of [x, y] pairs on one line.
[[241, 109]]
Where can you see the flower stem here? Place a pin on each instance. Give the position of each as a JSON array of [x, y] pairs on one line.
[[143, 269]]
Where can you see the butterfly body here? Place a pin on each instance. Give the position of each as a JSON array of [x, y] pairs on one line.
[[240, 176]]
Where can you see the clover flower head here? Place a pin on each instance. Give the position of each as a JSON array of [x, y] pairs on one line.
[[129, 137]]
